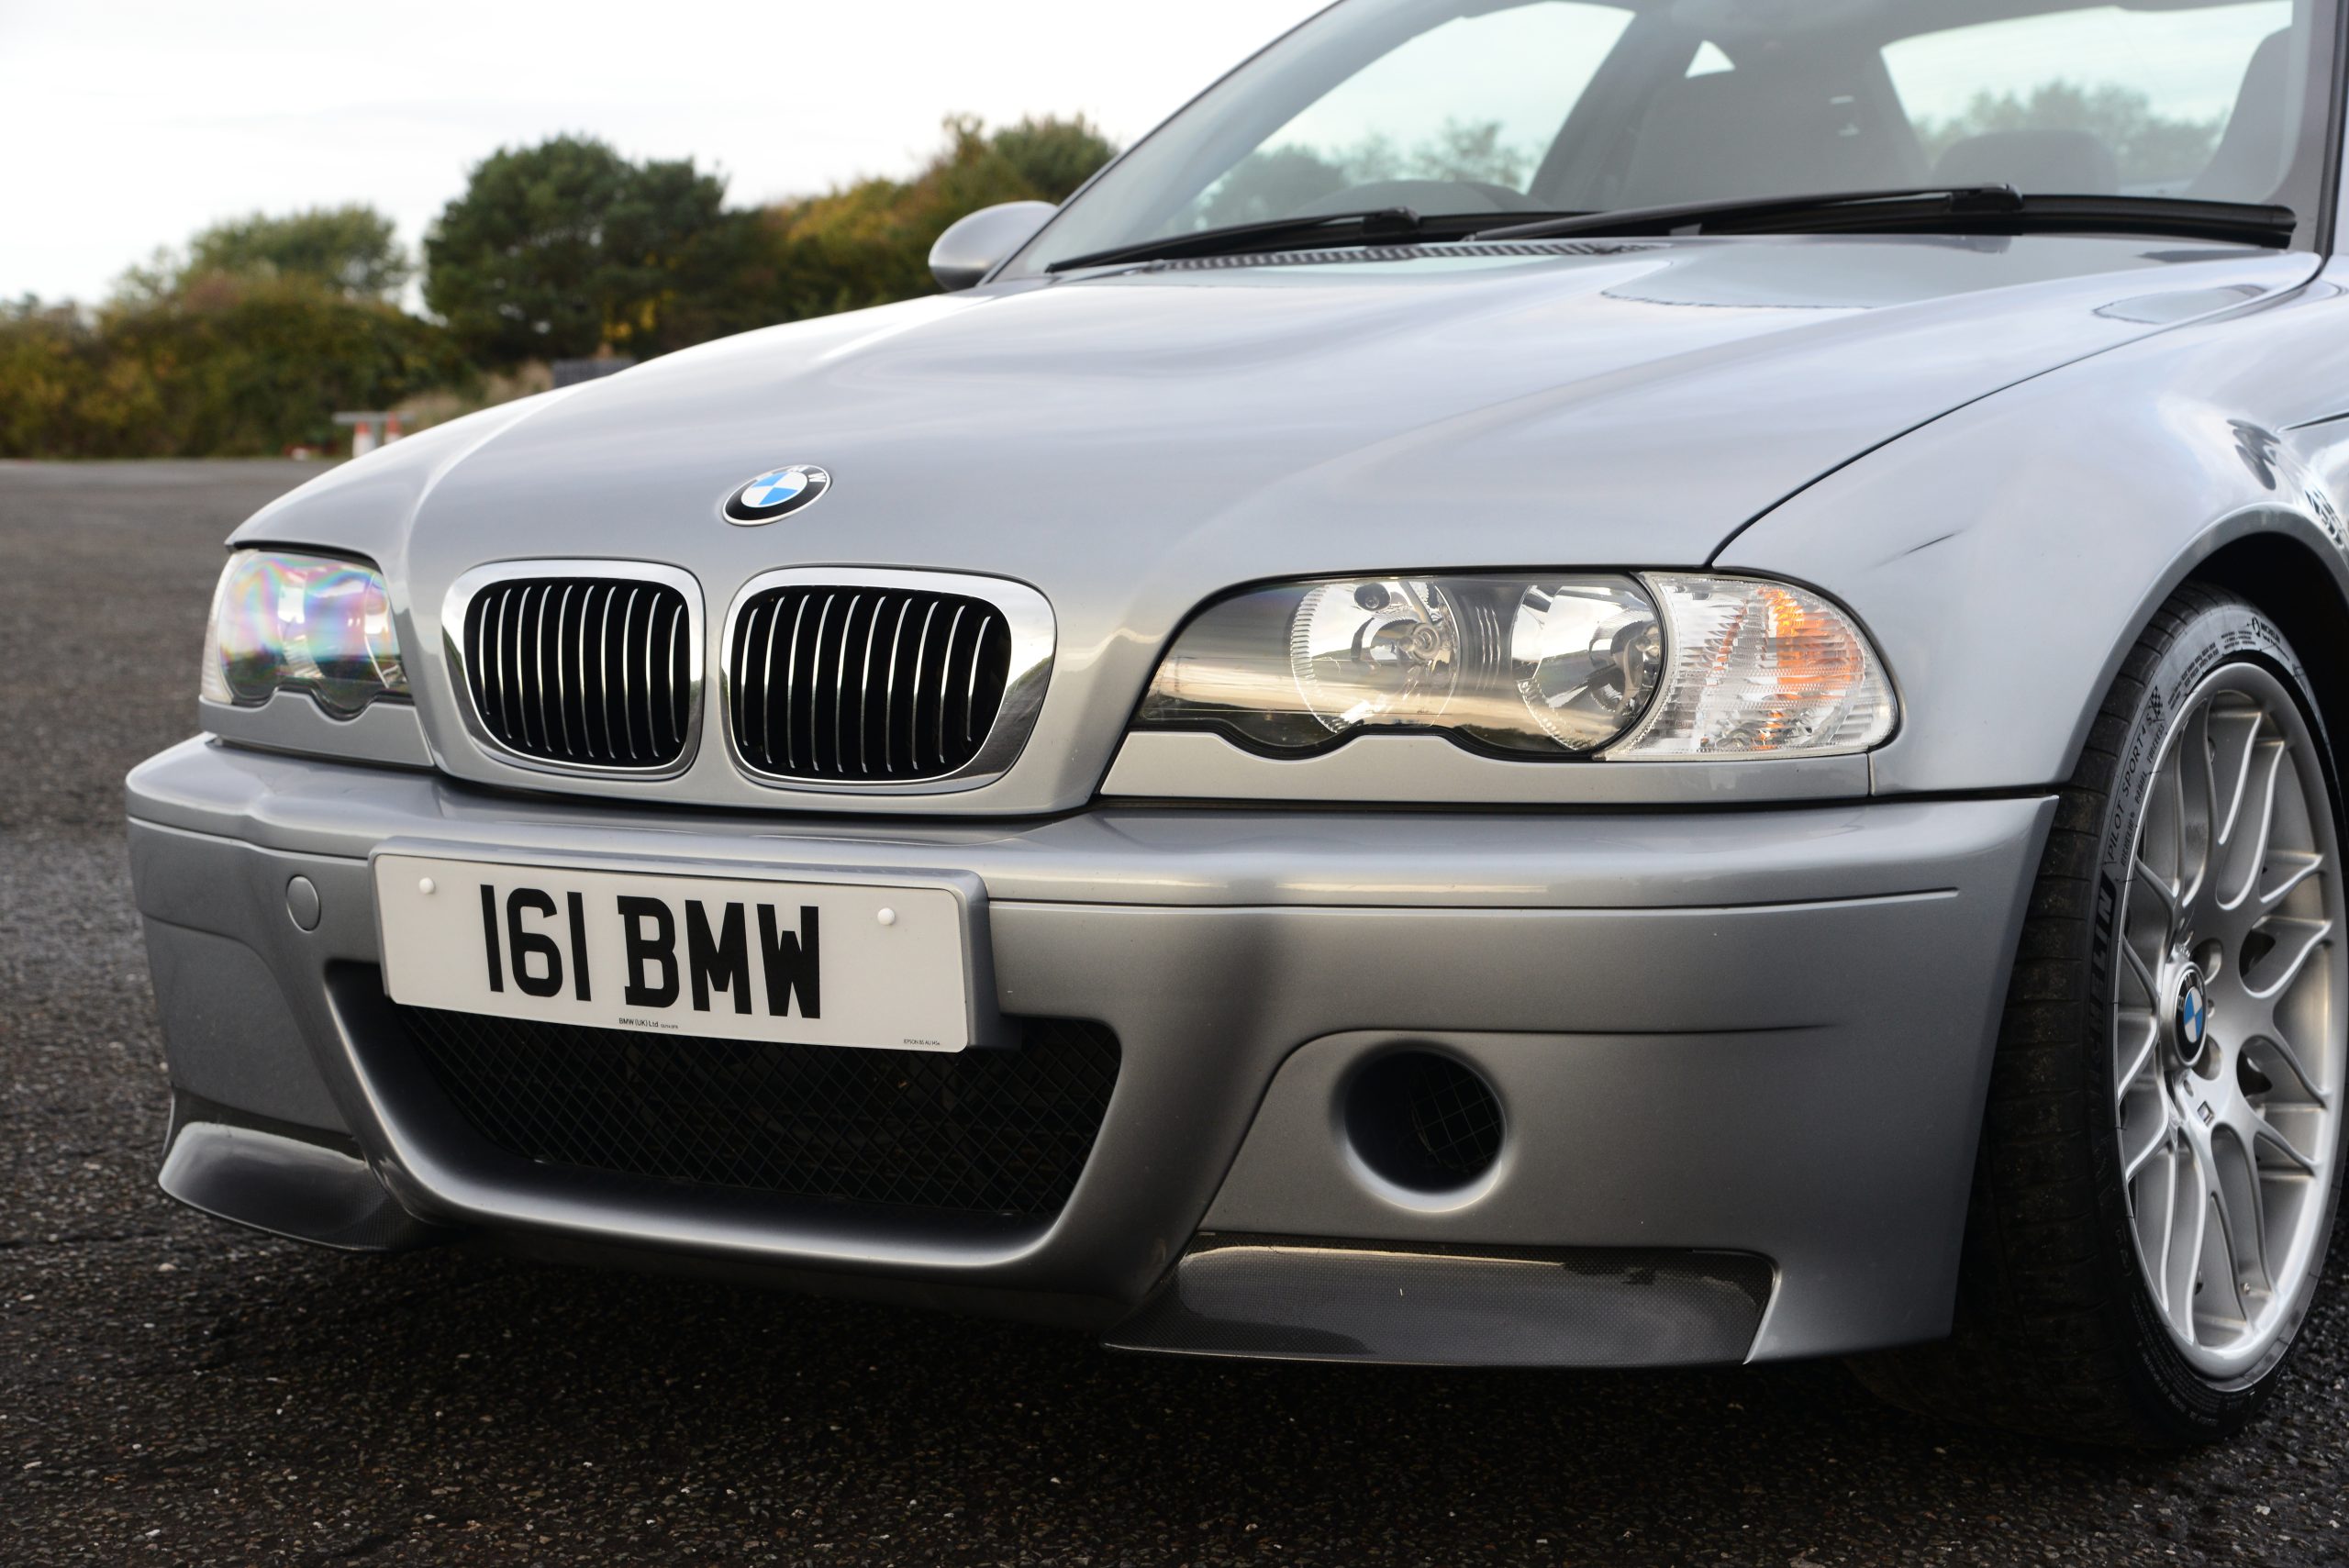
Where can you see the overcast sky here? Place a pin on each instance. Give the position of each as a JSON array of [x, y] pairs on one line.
[[130, 124]]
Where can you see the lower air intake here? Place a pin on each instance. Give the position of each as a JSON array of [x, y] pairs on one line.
[[1424, 1121], [1002, 1132]]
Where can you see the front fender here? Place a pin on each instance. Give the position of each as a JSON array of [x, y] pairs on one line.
[[2007, 557]]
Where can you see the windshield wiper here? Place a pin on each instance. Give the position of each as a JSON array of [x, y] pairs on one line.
[[1332, 231], [1961, 209], [1992, 209]]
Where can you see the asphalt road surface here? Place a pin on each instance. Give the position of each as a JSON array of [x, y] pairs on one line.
[[173, 1390]]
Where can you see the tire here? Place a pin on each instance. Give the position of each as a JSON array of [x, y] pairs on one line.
[[2120, 1117]]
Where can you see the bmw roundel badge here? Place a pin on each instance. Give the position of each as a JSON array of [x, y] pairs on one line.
[[777, 493], [2193, 1018]]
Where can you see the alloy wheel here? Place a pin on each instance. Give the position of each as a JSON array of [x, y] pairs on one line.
[[2229, 979]]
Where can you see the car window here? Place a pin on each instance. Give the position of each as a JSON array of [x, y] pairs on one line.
[[1458, 108], [1475, 101], [2105, 100]]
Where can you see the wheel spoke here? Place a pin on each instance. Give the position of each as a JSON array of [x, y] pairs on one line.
[[2161, 1271], [2154, 1145], [2299, 865], [2259, 827], [2276, 1045], [2194, 1219], [2273, 753], [2257, 1133], [2236, 744], [2159, 886], [2243, 1225], [2138, 967], [2196, 801], [2311, 936], [2178, 825], [2238, 1234], [2140, 1057]]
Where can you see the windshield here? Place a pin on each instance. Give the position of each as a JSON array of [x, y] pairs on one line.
[[1453, 107]]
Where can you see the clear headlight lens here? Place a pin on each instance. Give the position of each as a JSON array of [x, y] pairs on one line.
[[1554, 665], [1549, 666], [282, 621], [1376, 652]]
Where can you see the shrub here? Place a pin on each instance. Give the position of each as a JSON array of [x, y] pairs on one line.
[[869, 243], [224, 366], [250, 341]]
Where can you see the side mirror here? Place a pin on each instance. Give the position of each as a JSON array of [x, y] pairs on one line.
[[977, 245]]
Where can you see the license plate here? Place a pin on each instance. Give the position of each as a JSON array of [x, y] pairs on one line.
[[808, 962]]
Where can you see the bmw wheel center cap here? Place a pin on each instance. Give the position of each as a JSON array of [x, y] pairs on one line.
[[777, 493], [2193, 1018]]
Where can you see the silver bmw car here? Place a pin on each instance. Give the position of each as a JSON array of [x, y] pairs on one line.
[[1559, 684]]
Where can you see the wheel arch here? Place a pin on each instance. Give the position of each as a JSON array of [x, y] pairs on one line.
[[2288, 561], [2302, 588]]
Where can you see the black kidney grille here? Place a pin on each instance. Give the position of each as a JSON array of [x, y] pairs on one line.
[[868, 685], [977, 1131], [590, 672]]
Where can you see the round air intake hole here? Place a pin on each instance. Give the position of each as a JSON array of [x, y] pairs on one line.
[[1425, 1122]]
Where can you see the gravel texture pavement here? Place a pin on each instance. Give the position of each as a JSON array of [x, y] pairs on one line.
[[173, 1390]]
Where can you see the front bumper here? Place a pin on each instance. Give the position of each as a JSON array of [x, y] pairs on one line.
[[1717, 1035]]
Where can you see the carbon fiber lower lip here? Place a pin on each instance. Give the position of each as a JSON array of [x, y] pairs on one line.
[[1294, 1300]]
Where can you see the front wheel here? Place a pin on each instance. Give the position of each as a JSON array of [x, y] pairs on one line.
[[2160, 1153]]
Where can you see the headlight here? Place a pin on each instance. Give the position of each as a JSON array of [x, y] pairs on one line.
[[1554, 665], [1761, 669], [283, 622]]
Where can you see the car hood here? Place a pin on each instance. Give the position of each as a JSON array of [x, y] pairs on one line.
[[1134, 443]]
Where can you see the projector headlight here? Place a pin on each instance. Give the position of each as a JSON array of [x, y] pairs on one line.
[[1552, 665], [286, 622]]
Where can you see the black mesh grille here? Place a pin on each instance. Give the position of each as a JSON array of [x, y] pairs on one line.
[[1454, 1116], [587, 671], [976, 1132], [865, 685]]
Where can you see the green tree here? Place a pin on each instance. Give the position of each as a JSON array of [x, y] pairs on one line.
[[1273, 183], [868, 243], [1279, 182], [249, 339], [1473, 153], [1053, 156], [2152, 149], [559, 250], [352, 248]]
